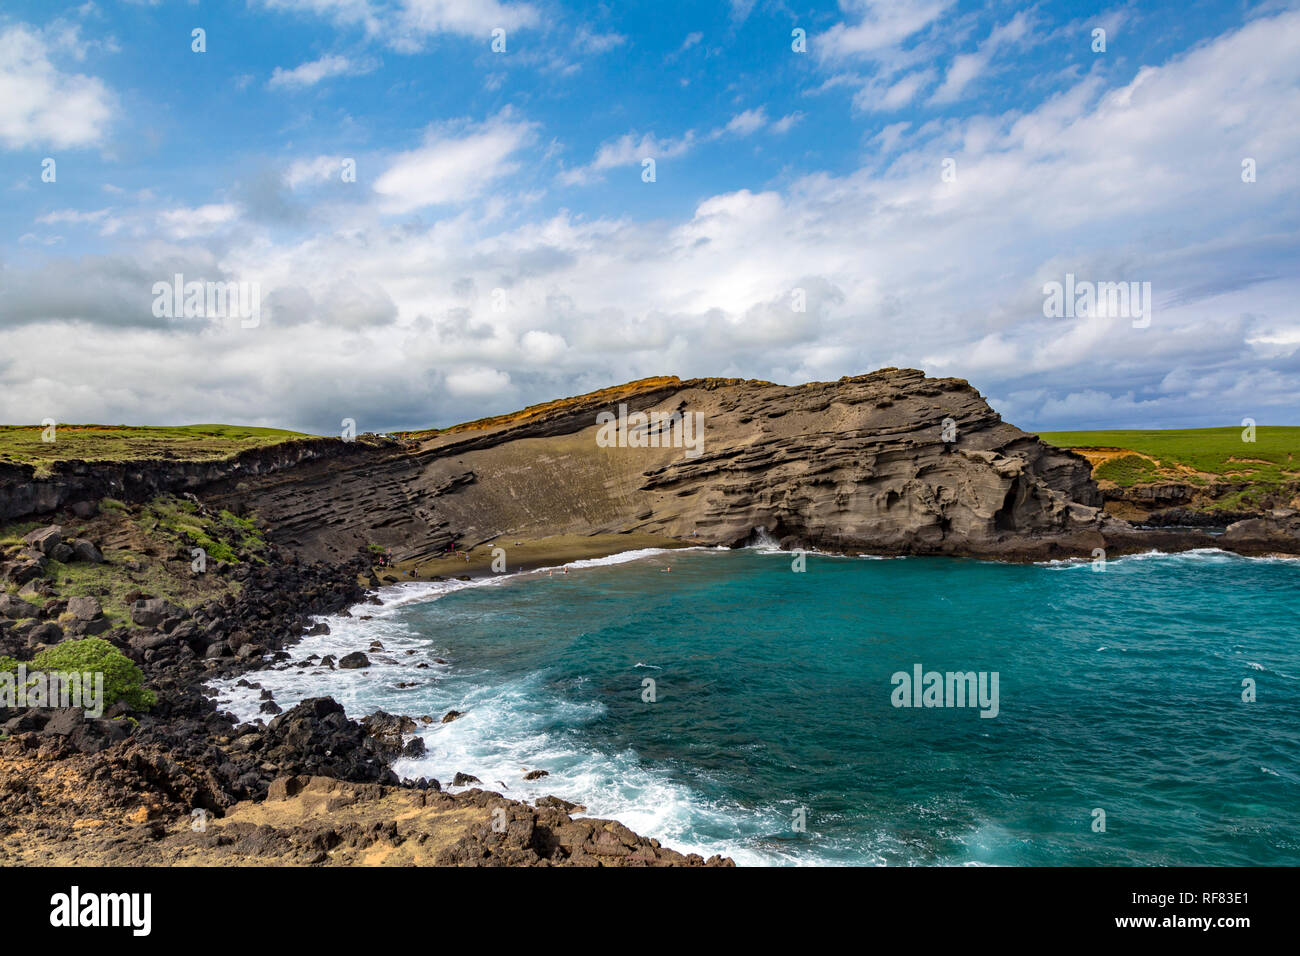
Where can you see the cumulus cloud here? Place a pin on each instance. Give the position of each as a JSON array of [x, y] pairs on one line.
[[42, 105], [399, 323]]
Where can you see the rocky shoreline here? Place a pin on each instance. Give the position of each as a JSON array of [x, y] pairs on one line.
[[892, 463], [129, 787]]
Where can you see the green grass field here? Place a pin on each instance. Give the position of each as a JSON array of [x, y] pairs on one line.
[[23, 444], [1197, 456]]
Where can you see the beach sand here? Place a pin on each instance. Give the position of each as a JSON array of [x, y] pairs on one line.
[[525, 554]]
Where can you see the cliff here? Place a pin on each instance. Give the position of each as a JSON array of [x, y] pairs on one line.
[[860, 464], [892, 462]]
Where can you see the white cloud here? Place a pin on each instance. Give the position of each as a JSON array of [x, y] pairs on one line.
[[467, 17], [592, 42], [628, 150], [967, 67], [875, 98], [748, 122], [787, 122], [309, 74], [880, 27], [41, 105], [1137, 182], [318, 169], [451, 169], [187, 223], [477, 382], [405, 24], [72, 215]]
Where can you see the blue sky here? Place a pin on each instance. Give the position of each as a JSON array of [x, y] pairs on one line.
[[500, 246]]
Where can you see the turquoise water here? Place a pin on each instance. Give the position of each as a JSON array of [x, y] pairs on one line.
[[1119, 690]]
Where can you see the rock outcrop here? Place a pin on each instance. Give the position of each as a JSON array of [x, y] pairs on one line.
[[892, 462]]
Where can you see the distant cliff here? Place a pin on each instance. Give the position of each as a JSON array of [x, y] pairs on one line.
[[892, 462]]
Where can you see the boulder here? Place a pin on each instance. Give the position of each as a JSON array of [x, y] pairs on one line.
[[151, 612], [451, 715], [65, 721], [24, 570], [354, 660], [37, 587], [45, 539], [46, 633], [464, 780], [84, 608], [90, 628], [83, 550], [15, 608]]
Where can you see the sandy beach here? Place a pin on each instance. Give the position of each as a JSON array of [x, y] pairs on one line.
[[524, 554]]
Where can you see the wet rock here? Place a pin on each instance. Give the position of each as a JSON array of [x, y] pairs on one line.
[[354, 661], [464, 780], [558, 804], [451, 715], [536, 774]]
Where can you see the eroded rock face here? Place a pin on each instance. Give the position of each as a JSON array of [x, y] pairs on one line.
[[1274, 533], [891, 462]]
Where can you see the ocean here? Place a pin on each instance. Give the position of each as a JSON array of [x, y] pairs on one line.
[[1145, 714]]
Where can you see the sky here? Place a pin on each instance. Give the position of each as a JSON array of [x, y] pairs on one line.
[[445, 209]]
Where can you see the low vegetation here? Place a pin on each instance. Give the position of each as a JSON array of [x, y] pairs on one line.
[[1196, 456], [123, 680], [148, 550], [25, 444]]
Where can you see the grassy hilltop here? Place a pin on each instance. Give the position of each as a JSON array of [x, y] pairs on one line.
[[1200, 457], [22, 444]]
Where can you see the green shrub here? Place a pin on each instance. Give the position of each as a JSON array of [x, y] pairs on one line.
[[1128, 470], [122, 679]]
